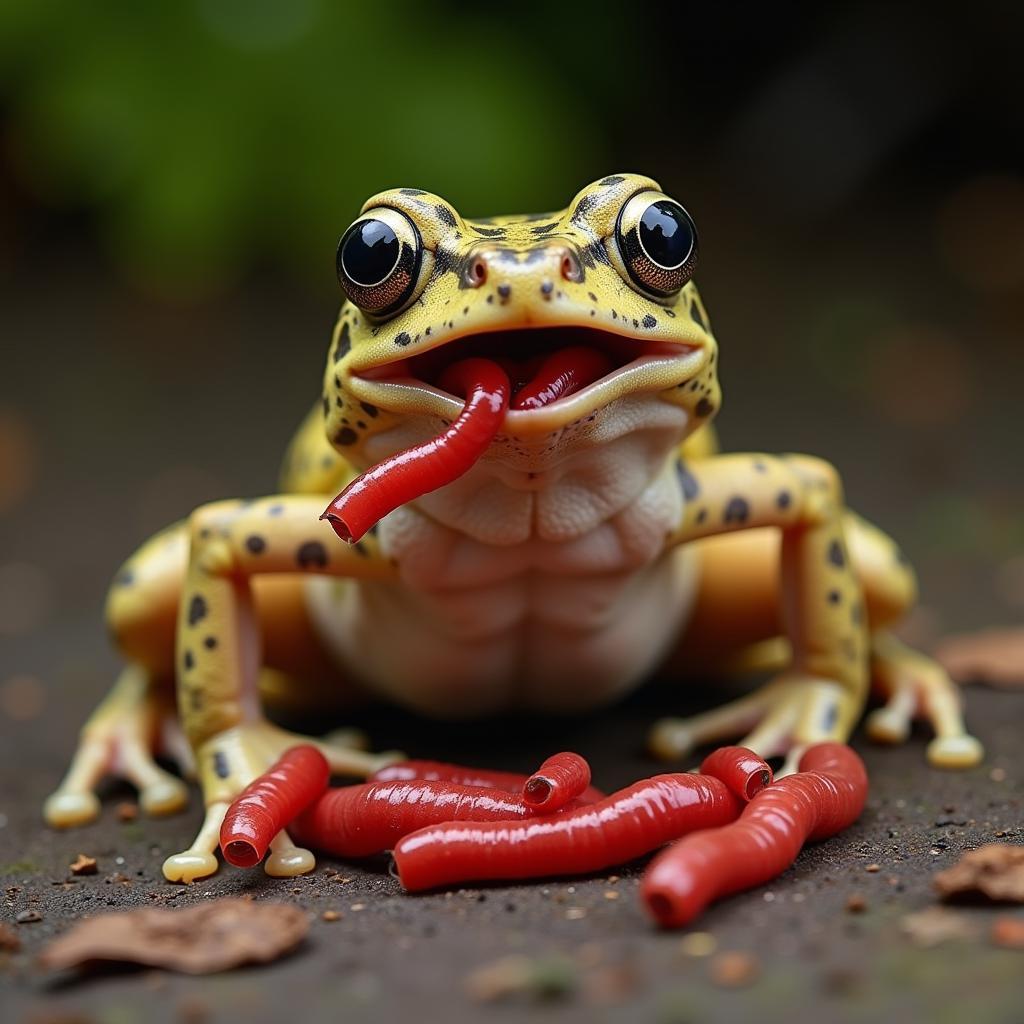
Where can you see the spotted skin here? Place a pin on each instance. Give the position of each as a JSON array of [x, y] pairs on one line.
[[745, 561]]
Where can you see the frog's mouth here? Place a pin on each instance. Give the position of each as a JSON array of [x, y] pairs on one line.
[[558, 374]]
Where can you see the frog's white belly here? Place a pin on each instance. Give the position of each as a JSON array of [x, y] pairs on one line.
[[546, 589]]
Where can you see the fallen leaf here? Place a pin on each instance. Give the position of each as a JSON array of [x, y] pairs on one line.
[[203, 939], [991, 656], [935, 925], [83, 865], [995, 870], [1008, 932]]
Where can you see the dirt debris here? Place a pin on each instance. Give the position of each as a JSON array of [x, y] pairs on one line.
[[994, 871], [9, 941], [539, 979], [201, 939], [83, 865], [735, 969], [1008, 932], [936, 925], [994, 657]]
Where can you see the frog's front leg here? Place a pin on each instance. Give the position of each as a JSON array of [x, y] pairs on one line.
[[218, 654], [822, 692]]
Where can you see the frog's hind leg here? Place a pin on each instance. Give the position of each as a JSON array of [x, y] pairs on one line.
[[138, 716]]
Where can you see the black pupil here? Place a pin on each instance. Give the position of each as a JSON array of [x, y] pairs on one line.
[[666, 234], [370, 252]]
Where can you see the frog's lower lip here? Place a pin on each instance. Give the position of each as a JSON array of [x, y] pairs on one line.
[[407, 385]]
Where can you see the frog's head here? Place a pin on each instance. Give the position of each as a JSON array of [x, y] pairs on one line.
[[426, 288]]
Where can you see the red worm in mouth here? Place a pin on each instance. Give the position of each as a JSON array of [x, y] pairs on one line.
[[270, 802], [560, 374], [425, 467], [619, 828], [560, 779], [438, 771], [824, 797], [358, 821]]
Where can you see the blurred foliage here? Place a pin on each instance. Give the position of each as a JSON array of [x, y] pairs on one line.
[[208, 135]]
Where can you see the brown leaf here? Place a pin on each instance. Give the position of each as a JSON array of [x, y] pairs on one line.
[[991, 656], [935, 925], [995, 870], [209, 937]]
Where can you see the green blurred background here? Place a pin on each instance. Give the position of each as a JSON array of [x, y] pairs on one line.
[[174, 177]]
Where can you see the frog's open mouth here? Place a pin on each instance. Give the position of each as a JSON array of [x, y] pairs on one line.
[[558, 374]]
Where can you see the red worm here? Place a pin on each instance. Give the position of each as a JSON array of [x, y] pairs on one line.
[[740, 769], [416, 471], [823, 798], [357, 821], [619, 828], [561, 778], [510, 782], [560, 374], [270, 802]]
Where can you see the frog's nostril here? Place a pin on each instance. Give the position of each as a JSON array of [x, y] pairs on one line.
[[475, 272], [571, 269]]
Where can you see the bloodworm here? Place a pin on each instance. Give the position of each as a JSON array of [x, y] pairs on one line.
[[617, 829], [416, 471], [438, 771], [740, 769], [824, 797], [357, 821], [270, 802], [560, 374], [560, 779]]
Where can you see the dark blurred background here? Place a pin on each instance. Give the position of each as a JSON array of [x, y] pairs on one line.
[[173, 179]]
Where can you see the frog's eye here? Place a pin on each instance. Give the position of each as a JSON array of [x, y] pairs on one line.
[[379, 259], [658, 243]]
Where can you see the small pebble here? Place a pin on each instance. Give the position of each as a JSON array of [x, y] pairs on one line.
[[356, 907], [29, 917], [873, 868], [127, 811], [610, 894], [331, 915], [734, 969], [997, 775], [575, 913], [856, 904]]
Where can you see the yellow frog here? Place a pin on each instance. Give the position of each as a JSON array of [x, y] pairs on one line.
[[601, 535]]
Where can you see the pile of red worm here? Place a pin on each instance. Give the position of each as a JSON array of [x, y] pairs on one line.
[[487, 390], [447, 824]]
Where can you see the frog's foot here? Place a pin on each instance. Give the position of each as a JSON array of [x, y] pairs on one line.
[[228, 763], [785, 716], [917, 687], [119, 739]]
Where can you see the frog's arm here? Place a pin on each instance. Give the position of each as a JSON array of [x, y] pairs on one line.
[[218, 650], [823, 692]]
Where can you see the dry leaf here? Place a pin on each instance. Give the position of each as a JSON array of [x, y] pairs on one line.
[[209, 937], [992, 656], [84, 865], [995, 870], [936, 925]]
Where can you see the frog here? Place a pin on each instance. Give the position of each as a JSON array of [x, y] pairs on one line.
[[602, 539]]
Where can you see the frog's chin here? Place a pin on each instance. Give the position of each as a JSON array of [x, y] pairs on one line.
[[411, 387]]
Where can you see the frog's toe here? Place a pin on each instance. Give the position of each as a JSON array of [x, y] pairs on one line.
[[66, 809], [189, 865], [955, 752], [671, 739], [888, 725], [287, 860], [164, 796]]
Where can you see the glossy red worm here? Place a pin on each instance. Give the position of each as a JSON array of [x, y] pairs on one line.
[[416, 471], [560, 374], [439, 771], [740, 769], [270, 802], [824, 797], [619, 828], [357, 821], [560, 779]]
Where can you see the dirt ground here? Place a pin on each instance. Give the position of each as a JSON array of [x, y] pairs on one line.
[[594, 954]]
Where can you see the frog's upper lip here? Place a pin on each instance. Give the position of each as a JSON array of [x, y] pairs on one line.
[[405, 384]]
